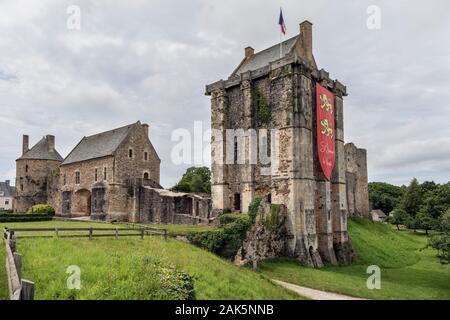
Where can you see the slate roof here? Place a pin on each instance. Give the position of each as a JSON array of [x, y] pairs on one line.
[[264, 57], [8, 191], [99, 145], [40, 152]]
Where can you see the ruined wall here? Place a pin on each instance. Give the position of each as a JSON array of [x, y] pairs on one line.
[[31, 182], [357, 181], [163, 206]]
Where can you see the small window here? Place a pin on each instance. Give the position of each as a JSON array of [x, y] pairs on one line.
[[237, 201], [65, 179], [21, 187], [105, 173], [77, 177], [96, 175], [146, 156], [146, 176], [130, 153], [7, 202], [26, 168]]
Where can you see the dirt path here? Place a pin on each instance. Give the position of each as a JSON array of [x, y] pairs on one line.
[[313, 293]]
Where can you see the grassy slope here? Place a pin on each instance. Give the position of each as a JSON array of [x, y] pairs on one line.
[[406, 271], [46, 260]]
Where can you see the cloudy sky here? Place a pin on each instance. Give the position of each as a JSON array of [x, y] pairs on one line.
[[150, 60]]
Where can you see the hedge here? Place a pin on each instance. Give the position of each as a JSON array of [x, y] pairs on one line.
[[24, 217]]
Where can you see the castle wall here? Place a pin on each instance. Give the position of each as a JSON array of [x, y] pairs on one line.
[[357, 181], [316, 207]]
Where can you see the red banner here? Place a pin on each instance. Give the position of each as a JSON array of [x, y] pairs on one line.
[[325, 129]]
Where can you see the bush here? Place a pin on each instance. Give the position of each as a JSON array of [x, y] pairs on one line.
[[226, 240], [25, 217], [42, 208]]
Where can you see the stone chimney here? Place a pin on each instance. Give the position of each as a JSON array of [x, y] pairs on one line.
[[25, 144], [50, 143], [249, 52], [306, 49], [146, 127]]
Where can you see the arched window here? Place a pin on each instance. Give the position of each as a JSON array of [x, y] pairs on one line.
[[146, 176]]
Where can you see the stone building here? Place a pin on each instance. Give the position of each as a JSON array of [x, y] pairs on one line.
[[113, 175], [275, 89], [95, 178], [6, 196]]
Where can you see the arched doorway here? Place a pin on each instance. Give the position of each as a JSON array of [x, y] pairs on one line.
[[82, 203]]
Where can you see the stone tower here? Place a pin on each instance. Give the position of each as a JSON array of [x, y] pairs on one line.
[[275, 89], [32, 172]]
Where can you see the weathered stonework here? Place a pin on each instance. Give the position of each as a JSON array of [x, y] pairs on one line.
[[316, 208], [268, 236], [113, 175], [357, 184]]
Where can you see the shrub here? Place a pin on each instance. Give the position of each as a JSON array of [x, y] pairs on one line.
[[42, 208], [25, 217], [226, 240]]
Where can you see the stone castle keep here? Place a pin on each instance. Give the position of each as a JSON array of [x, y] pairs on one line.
[[115, 175], [267, 91]]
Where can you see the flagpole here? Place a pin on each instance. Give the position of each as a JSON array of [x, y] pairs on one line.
[[281, 40], [281, 45]]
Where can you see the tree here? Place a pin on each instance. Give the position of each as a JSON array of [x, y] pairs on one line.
[[441, 241], [195, 180], [425, 221], [398, 217], [412, 199], [384, 196]]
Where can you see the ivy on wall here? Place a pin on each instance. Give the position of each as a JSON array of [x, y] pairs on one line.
[[263, 112]]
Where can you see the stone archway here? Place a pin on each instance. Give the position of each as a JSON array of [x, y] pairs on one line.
[[81, 204]]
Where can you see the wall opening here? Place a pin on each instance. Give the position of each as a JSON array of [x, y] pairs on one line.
[[237, 202]]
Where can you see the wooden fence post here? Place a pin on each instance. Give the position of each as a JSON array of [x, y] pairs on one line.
[[12, 241], [90, 233], [142, 233], [165, 234], [18, 263], [56, 232], [117, 233], [27, 292]]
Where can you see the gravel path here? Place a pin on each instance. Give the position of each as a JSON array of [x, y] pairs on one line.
[[313, 293]]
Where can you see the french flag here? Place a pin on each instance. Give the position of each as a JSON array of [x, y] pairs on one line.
[[281, 22]]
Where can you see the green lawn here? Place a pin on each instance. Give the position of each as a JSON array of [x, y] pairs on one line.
[[108, 265], [407, 272]]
